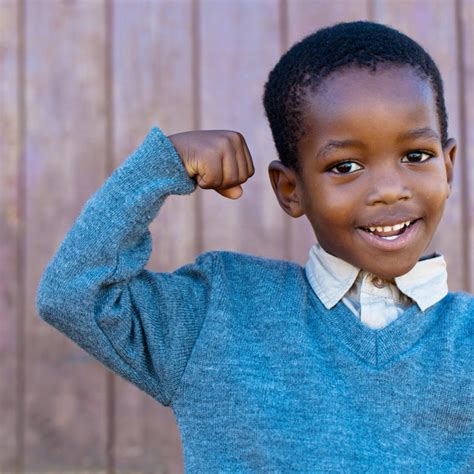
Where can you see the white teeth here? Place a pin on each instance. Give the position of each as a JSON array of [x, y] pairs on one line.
[[388, 228], [391, 237]]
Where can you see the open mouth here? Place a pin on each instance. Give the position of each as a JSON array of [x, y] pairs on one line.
[[391, 232]]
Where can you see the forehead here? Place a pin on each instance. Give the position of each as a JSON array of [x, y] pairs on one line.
[[359, 101]]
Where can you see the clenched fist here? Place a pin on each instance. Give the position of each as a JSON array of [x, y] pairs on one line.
[[217, 159]]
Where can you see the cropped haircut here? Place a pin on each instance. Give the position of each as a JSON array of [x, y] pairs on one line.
[[307, 63]]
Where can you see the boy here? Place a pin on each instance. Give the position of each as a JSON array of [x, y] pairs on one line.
[[360, 361]]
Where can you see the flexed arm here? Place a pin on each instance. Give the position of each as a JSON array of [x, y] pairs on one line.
[[141, 324]]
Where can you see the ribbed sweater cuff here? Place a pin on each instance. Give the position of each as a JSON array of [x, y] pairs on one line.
[[156, 156]]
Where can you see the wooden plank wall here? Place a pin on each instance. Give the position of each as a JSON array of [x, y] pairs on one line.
[[81, 84]]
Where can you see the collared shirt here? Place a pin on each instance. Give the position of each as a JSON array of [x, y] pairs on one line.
[[374, 301]]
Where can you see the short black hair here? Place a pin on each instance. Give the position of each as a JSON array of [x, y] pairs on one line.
[[307, 63]]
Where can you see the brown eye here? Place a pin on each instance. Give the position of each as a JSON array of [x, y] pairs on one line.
[[345, 167], [416, 157]]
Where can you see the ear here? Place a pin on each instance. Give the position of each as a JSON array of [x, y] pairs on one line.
[[286, 186], [449, 152]]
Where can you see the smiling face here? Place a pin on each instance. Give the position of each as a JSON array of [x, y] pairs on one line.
[[373, 177]]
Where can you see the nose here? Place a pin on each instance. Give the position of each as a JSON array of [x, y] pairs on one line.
[[388, 187]]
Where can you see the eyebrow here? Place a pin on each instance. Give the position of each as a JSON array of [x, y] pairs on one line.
[[332, 145], [419, 133], [336, 145]]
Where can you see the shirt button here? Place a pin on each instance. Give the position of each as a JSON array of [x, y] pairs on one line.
[[378, 282]]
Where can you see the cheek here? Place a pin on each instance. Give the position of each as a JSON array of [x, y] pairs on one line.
[[434, 193], [330, 210]]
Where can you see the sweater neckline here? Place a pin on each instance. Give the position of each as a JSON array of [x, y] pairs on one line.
[[376, 347]]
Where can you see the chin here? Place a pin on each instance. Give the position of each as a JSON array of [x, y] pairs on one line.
[[392, 271]]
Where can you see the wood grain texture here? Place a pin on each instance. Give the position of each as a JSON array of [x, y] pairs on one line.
[[305, 17], [432, 23], [65, 159], [163, 72], [240, 44], [152, 81], [10, 289]]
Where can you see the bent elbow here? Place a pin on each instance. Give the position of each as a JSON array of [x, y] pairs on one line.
[[47, 305], [51, 304]]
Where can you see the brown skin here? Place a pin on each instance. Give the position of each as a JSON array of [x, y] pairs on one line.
[[217, 159], [384, 179]]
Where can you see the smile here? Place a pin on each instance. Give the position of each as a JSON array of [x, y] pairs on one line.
[[391, 237], [389, 232]]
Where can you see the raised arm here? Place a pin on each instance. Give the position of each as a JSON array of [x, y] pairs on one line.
[[141, 324]]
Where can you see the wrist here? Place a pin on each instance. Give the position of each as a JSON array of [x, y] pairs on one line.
[[175, 141]]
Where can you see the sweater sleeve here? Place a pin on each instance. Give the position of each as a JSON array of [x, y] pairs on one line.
[[140, 324]]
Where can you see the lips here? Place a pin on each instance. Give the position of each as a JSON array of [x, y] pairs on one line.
[[386, 230], [393, 236]]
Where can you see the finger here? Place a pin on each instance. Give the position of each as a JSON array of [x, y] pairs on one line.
[[241, 158], [212, 177], [232, 193], [248, 158], [230, 168]]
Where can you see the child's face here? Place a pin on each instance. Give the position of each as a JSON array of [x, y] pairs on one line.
[[372, 158]]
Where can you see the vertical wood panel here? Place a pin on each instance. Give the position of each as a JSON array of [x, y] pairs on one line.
[[432, 23], [305, 17], [66, 161], [65, 156], [9, 232], [466, 15], [240, 44], [152, 58]]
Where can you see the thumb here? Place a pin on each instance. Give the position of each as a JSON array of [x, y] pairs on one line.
[[232, 193]]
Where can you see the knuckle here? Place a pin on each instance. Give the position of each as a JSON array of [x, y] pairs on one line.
[[238, 136], [236, 139], [240, 140], [225, 142]]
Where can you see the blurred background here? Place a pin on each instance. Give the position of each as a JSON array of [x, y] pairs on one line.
[[81, 84]]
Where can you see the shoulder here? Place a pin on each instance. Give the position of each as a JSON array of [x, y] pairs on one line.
[[239, 259], [237, 265], [459, 301], [458, 312]]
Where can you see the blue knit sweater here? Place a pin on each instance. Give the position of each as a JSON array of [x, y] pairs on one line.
[[261, 377]]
